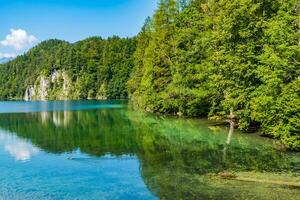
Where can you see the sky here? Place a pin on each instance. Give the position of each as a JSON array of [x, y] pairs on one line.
[[24, 23]]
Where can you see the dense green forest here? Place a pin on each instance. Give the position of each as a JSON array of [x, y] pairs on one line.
[[92, 68], [213, 57], [205, 58]]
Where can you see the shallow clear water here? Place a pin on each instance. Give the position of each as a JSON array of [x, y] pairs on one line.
[[105, 150]]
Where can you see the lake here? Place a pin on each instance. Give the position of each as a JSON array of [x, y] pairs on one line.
[[106, 150]]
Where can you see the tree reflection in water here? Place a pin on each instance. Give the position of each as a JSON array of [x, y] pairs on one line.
[[175, 154]]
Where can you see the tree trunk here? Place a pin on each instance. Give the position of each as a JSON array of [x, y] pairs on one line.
[[298, 13], [299, 29], [232, 121], [230, 133]]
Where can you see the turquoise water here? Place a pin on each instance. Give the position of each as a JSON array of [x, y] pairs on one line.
[[106, 150]]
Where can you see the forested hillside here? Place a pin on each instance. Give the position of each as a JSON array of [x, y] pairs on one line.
[[54, 69], [216, 57], [205, 58]]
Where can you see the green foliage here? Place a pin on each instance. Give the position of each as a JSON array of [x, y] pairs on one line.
[[193, 58], [89, 64], [206, 58]]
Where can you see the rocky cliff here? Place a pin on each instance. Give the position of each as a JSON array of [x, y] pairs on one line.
[[56, 86]]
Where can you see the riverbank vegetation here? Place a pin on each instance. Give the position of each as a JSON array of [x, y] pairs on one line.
[[205, 58], [210, 58]]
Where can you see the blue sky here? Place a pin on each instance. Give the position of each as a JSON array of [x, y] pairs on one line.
[[24, 23]]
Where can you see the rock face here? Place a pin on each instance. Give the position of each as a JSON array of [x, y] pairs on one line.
[[56, 87], [66, 84], [43, 90], [29, 93]]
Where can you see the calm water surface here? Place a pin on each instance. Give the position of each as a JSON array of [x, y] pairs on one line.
[[105, 150]]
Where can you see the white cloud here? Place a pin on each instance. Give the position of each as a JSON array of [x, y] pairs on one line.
[[7, 55], [18, 39], [21, 151], [18, 148]]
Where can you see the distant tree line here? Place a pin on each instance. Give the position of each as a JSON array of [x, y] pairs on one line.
[[96, 67]]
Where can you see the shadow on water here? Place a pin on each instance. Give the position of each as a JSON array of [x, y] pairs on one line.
[[175, 155]]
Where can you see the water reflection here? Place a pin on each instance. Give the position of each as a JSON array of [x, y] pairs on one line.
[[173, 153], [120, 132], [20, 149], [47, 106]]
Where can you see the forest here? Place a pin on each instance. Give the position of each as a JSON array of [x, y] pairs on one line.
[[194, 58], [95, 67]]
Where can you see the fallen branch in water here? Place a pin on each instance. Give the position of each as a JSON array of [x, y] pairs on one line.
[[291, 184], [247, 179]]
